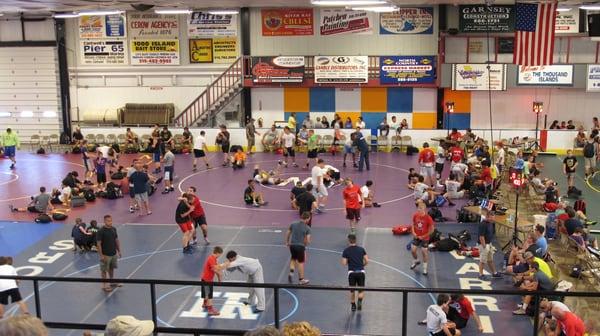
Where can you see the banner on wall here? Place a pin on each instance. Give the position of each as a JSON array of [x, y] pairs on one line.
[[151, 26], [341, 69], [343, 21], [407, 69], [287, 21], [103, 52], [201, 50], [102, 26], [475, 77], [407, 20], [545, 75], [482, 18], [203, 24], [567, 22], [155, 52], [281, 69], [225, 49], [593, 78]]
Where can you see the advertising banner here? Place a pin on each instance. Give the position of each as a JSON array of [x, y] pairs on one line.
[[545, 75], [203, 24], [482, 18], [287, 21], [567, 22], [225, 49], [201, 50], [281, 69], [115, 25], [407, 69], [475, 77], [91, 27], [407, 20], [593, 78], [150, 26], [103, 52], [341, 69], [155, 52], [343, 21]]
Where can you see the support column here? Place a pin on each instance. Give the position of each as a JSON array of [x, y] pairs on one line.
[[246, 51], [63, 75]]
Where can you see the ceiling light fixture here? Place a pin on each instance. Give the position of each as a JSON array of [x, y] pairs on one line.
[[65, 15], [590, 7], [172, 11], [563, 9], [376, 9], [100, 12], [347, 2], [223, 11]]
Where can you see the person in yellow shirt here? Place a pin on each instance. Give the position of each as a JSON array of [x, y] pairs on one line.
[[238, 160], [10, 142], [292, 122]]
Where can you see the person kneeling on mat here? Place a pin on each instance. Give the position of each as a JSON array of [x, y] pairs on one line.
[[251, 196]]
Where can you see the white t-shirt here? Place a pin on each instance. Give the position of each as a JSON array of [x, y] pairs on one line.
[[316, 173], [104, 150], [364, 191], [199, 143], [6, 284], [288, 140], [452, 186], [436, 319], [500, 157], [420, 189], [64, 192], [327, 168], [459, 169], [361, 124], [441, 155]]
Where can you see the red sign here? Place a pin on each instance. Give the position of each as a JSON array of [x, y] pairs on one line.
[[287, 21], [281, 69]]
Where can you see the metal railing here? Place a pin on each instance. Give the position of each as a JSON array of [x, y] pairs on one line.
[[229, 80], [277, 288]]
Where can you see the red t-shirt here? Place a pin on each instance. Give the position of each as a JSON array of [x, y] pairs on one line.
[[198, 210], [427, 156], [208, 274], [572, 325], [486, 175], [352, 197], [455, 136], [466, 308], [457, 154], [422, 223]]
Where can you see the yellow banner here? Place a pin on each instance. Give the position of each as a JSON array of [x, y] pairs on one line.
[[201, 51], [225, 49]]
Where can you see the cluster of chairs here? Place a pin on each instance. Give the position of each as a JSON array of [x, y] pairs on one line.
[[51, 142], [380, 143]]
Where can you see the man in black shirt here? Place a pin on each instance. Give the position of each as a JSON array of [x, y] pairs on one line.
[[485, 234], [184, 220], [295, 192], [306, 202], [166, 138], [355, 257], [187, 138], [109, 250]]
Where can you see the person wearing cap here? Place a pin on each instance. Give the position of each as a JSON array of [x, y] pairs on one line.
[[485, 236], [127, 325], [251, 135], [530, 258], [254, 271], [10, 142], [537, 280]]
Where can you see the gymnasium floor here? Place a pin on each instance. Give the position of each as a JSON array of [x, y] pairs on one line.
[[151, 249]]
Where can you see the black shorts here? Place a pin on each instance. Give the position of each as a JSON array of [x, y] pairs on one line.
[[312, 154], [353, 214], [199, 221], [356, 279], [289, 151], [441, 333], [298, 253], [33, 209], [171, 171], [439, 167], [455, 317], [336, 176], [14, 294], [420, 243], [198, 153], [101, 177], [207, 291], [225, 148]]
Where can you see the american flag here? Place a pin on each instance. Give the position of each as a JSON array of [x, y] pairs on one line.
[[534, 37]]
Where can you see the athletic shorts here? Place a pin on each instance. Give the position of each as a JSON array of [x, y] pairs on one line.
[[570, 174], [109, 263], [320, 191], [87, 163], [143, 197], [353, 214], [487, 253], [520, 267], [13, 294], [33, 209], [439, 167], [169, 172], [348, 149], [289, 151], [312, 154], [423, 243], [225, 148], [589, 162], [131, 192], [207, 291], [101, 177], [185, 227], [442, 333], [356, 279], [201, 220], [198, 153], [156, 157], [298, 253], [9, 151], [251, 142], [427, 171], [336, 176]]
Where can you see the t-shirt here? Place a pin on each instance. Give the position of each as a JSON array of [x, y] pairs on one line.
[[107, 238], [455, 136], [457, 154], [292, 123], [199, 143], [104, 150], [486, 175], [571, 224], [187, 135], [485, 229], [436, 319], [208, 273], [317, 172], [572, 325], [248, 194], [544, 267], [288, 140], [299, 230], [364, 191], [352, 197], [305, 201], [169, 159], [427, 157], [76, 232], [198, 210], [452, 186], [165, 135], [296, 191], [182, 208], [544, 282], [463, 307], [6, 284], [77, 136], [250, 131], [64, 193], [542, 247], [100, 165], [313, 141], [239, 156], [441, 155], [139, 180], [355, 256], [422, 224], [500, 157], [41, 201], [569, 163], [420, 189]]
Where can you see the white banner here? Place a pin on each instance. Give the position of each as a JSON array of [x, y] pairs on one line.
[[203, 24], [475, 77], [545, 75], [343, 21], [341, 69], [153, 26], [103, 52], [155, 52], [567, 22], [593, 77]]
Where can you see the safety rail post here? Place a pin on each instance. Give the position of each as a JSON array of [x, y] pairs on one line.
[[404, 312], [276, 306], [536, 314], [36, 294], [153, 303]]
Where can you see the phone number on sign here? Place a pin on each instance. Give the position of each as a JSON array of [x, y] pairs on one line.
[[155, 61]]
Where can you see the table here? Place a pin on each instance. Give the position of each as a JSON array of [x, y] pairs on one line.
[[524, 226]]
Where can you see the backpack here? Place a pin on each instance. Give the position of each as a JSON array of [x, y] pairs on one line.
[[41, 151], [439, 201], [448, 244], [463, 236], [76, 150], [580, 205], [43, 219], [589, 150], [59, 216], [89, 196], [112, 191], [435, 213], [401, 230], [118, 175], [436, 236]]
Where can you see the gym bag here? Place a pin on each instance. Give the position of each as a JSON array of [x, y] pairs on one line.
[[59, 216], [88, 194], [448, 244], [43, 218], [401, 230]]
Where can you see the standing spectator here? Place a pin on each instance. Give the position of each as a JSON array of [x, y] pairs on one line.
[[500, 157], [437, 322], [251, 134], [166, 138], [139, 179], [9, 288], [210, 269], [188, 138], [10, 142], [485, 236], [312, 146], [353, 202], [455, 135], [198, 216], [356, 258], [288, 141], [200, 150], [457, 155], [363, 148], [223, 140], [296, 239], [254, 271], [184, 220], [306, 202], [440, 160], [100, 168], [422, 228], [349, 149], [318, 182], [109, 250], [130, 137], [77, 137], [426, 161], [291, 123], [569, 168], [590, 148], [168, 162]]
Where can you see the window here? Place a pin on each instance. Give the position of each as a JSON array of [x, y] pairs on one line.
[[49, 114]]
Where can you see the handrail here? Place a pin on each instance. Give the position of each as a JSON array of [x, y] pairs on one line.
[[276, 287]]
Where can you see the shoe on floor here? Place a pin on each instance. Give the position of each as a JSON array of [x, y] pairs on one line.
[[359, 305], [353, 306], [422, 322], [206, 241], [304, 282], [213, 312], [424, 272], [257, 311], [376, 205], [415, 264], [497, 275], [482, 277], [519, 311]]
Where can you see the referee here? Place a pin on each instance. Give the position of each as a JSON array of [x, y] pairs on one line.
[[356, 258]]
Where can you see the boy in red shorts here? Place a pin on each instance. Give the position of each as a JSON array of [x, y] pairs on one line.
[[184, 220], [198, 216], [210, 269], [352, 203], [422, 228]]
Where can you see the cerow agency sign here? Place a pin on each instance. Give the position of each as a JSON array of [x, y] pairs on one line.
[[593, 77], [547, 75], [482, 18], [281, 69], [407, 69], [147, 26], [476, 77], [341, 69]]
